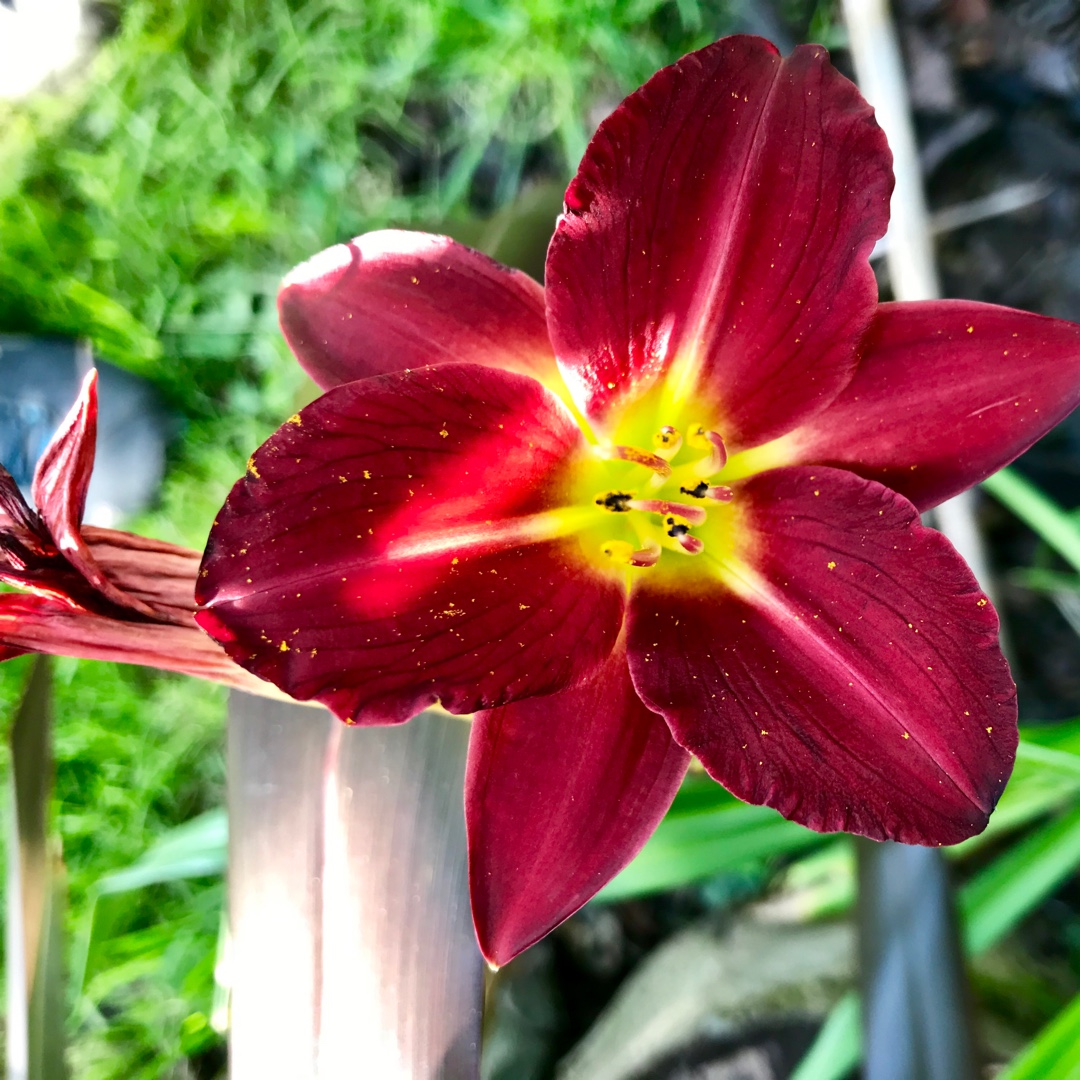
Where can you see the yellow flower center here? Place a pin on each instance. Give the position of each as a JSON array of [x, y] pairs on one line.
[[667, 498]]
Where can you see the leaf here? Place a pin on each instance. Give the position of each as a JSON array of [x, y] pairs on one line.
[[705, 832], [1038, 512], [198, 848], [1054, 1054], [996, 899], [36, 891]]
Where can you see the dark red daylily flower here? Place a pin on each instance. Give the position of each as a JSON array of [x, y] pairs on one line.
[[643, 514], [96, 593]]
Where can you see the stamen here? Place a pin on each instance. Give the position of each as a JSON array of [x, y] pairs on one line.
[[721, 493], [638, 457], [696, 436], [701, 438], [621, 552], [690, 544], [698, 491], [693, 515], [617, 502], [667, 441], [719, 449]]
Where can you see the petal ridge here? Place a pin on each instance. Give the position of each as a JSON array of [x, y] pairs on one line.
[[707, 283], [392, 299], [898, 721]]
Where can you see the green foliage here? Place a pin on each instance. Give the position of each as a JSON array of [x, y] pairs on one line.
[[1054, 1054], [1057, 528], [215, 145], [137, 753]]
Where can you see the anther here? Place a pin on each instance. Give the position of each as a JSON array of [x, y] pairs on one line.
[[690, 544], [621, 552], [617, 502], [667, 441], [638, 457], [681, 532], [693, 515]]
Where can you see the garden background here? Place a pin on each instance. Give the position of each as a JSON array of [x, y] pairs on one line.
[[151, 200]]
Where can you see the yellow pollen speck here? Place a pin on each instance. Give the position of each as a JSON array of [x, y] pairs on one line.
[[989, 730], [611, 386], [314, 652], [251, 468], [415, 280], [367, 474], [444, 433], [831, 565], [764, 732], [454, 561], [905, 736], [294, 419], [817, 492], [284, 647], [966, 713], [521, 607], [971, 329], [343, 479], [981, 602]]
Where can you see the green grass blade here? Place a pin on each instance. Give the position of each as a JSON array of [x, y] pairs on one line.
[[995, 900], [704, 834], [1054, 1054], [36, 893], [836, 1050], [1038, 512], [198, 848]]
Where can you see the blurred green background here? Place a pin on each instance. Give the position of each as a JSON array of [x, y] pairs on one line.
[[151, 203]]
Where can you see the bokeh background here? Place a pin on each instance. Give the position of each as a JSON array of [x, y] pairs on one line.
[[153, 193]]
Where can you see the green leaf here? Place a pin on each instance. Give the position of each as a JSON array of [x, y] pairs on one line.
[[198, 848], [36, 890], [1039, 512], [995, 900], [836, 1049], [706, 832], [1054, 1054]]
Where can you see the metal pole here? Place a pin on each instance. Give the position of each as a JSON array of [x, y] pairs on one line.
[[352, 952]]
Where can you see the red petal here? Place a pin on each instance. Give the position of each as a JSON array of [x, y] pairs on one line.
[[158, 575], [722, 218], [561, 793], [947, 392], [392, 300], [63, 472], [400, 542], [59, 490], [841, 665], [35, 624], [14, 513]]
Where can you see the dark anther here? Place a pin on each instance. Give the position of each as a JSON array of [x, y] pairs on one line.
[[615, 501], [677, 530], [697, 492]]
